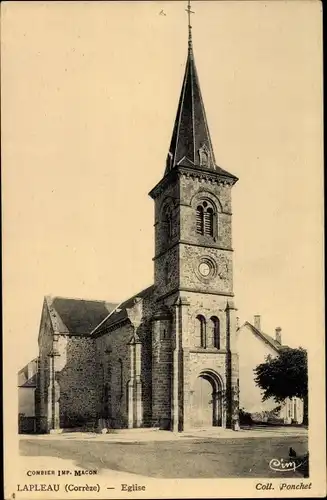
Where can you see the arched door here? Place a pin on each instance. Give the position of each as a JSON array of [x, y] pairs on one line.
[[206, 402]]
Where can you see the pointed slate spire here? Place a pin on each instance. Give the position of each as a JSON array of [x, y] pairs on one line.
[[191, 143]]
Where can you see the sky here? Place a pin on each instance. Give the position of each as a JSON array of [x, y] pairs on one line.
[[89, 97]]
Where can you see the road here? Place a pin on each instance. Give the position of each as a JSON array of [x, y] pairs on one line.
[[194, 458]]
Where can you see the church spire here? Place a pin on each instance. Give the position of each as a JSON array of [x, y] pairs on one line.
[[191, 143]]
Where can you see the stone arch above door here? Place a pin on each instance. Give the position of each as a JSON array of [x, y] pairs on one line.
[[207, 400]]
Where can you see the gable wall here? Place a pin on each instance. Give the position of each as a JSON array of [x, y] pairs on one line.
[[76, 376], [252, 351], [45, 345]]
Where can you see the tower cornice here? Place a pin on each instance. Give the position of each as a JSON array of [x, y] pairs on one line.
[[218, 176]]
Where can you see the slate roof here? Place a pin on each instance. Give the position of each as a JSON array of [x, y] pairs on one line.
[[120, 314], [191, 131], [77, 316], [265, 337]]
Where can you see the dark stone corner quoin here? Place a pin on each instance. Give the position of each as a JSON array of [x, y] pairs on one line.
[[165, 357]]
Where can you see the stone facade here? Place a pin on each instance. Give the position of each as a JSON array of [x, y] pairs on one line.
[[76, 378], [114, 360], [187, 295], [166, 357]]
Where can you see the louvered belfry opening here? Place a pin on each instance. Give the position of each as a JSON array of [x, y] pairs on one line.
[[199, 220], [204, 219], [208, 221]]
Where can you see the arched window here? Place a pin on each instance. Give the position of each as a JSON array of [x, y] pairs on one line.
[[215, 331], [168, 219], [205, 217], [201, 331]]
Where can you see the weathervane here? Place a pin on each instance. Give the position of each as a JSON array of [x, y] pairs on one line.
[[189, 12]]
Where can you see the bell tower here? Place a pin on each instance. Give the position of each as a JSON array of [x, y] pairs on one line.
[[193, 270]]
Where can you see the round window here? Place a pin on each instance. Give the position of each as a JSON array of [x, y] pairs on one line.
[[206, 269]]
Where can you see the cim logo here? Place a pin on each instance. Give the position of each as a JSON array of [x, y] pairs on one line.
[[281, 465]]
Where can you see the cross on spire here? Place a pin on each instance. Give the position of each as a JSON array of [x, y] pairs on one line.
[[189, 12]]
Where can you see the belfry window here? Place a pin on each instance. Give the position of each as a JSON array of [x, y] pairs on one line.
[[205, 217], [201, 331]]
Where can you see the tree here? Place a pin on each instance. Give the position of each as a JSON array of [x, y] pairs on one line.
[[285, 376]]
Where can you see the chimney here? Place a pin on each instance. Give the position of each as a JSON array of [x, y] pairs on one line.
[[278, 334], [257, 322]]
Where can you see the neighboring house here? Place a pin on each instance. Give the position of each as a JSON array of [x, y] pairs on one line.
[[167, 356], [27, 381], [253, 346]]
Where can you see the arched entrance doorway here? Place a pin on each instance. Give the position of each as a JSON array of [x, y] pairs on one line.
[[206, 400]]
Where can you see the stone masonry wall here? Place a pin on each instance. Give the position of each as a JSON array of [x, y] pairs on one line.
[[177, 267], [166, 272], [190, 259], [195, 359], [167, 197], [113, 374], [145, 335], [206, 305], [192, 191], [161, 372], [76, 376]]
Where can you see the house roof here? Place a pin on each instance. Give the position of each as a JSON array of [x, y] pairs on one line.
[[77, 316], [265, 337], [30, 382], [119, 314], [25, 378]]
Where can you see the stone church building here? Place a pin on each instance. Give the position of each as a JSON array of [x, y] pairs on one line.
[[167, 356]]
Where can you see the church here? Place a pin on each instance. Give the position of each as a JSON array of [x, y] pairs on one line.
[[166, 357]]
